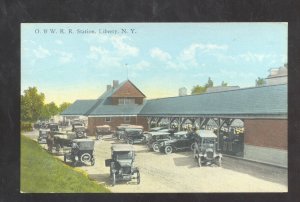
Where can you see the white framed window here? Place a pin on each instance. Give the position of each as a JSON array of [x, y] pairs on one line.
[[107, 119], [127, 119], [123, 101]]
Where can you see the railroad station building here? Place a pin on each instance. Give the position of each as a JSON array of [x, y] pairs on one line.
[[251, 123]]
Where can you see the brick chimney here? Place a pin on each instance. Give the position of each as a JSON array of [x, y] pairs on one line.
[[115, 83], [108, 87]]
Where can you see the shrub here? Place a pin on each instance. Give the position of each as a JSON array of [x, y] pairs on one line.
[[26, 126]]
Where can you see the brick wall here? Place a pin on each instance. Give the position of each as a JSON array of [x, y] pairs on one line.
[[115, 121], [128, 90], [266, 133]]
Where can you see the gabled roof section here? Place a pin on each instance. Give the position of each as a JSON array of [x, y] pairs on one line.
[[127, 89], [79, 107], [255, 101]]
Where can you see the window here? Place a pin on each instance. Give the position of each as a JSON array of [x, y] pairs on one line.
[[123, 101], [127, 119], [107, 119]]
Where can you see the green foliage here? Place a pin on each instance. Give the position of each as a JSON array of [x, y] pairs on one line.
[[64, 106], [224, 84], [260, 82], [26, 126], [198, 90], [31, 104], [43, 173], [49, 110]]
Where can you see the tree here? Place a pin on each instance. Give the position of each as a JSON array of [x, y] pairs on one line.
[[31, 104], [198, 90], [224, 84], [260, 82], [63, 106], [49, 110], [209, 83]]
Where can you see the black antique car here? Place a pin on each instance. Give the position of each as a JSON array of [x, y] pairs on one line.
[[44, 131], [134, 135], [76, 123], [61, 140], [80, 131], [102, 130], [121, 164], [119, 133], [182, 140], [81, 151], [205, 148], [154, 139]]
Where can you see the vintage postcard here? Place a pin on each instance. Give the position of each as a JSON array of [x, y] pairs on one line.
[[154, 107]]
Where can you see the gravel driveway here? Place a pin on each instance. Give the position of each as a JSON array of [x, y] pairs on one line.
[[178, 172]]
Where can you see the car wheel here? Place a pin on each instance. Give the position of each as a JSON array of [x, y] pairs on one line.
[[75, 163], [193, 146], [129, 141], [98, 137], [155, 147], [199, 161], [57, 148], [138, 177], [92, 161], [65, 158], [219, 162], [113, 181], [168, 149], [85, 158], [80, 135]]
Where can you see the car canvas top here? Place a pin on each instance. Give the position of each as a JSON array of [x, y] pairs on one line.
[[83, 140], [122, 147], [103, 126], [206, 133], [181, 133], [159, 133]]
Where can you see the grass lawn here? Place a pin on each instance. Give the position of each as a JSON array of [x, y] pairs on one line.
[[42, 173]]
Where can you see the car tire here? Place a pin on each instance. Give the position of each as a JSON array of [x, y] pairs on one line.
[[98, 137], [199, 162], [219, 162], [75, 163], [92, 161], [155, 147], [129, 141], [193, 146], [168, 149], [80, 135], [65, 158], [85, 158], [113, 181], [138, 177], [57, 148]]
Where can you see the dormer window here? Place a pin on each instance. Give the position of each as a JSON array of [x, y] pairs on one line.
[[123, 101]]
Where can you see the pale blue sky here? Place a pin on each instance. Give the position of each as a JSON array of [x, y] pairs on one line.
[[161, 57]]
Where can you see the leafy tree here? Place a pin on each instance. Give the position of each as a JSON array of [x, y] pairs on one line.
[[49, 110], [260, 82], [63, 106], [224, 84], [198, 90], [31, 104]]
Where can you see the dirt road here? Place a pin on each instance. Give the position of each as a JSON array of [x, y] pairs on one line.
[[178, 172]]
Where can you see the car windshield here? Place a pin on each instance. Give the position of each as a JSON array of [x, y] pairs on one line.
[[208, 142], [124, 155]]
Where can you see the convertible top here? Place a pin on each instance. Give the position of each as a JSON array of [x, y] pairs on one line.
[[103, 126], [83, 140], [159, 133], [122, 147], [206, 133]]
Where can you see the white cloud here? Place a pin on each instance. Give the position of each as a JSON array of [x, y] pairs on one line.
[[41, 52], [161, 55], [122, 47], [142, 65], [65, 57]]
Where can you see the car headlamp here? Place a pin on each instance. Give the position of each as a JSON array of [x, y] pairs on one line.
[[76, 158]]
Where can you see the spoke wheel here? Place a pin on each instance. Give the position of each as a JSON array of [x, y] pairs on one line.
[[85, 158], [155, 147], [168, 149]]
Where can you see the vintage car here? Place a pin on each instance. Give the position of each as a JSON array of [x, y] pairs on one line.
[[121, 164], [102, 130], [182, 140], [134, 135], [154, 139], [120, 130], [61, 140], [53, 127], [205, 148], [76, 123], [43, 134], [80, 131], [81, 151]]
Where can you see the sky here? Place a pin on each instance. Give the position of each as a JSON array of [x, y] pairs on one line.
[[70, 61]]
